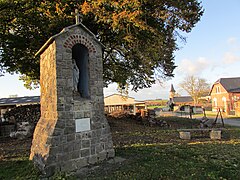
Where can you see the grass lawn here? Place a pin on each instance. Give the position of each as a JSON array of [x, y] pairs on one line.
[[211, 114], [149, 153]]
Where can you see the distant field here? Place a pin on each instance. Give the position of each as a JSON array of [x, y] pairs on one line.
[[165, 100], [152, 107], [151, 104]]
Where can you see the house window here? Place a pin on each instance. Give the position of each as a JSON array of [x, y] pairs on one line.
[[217, 89], [215, 102], [224, 104]]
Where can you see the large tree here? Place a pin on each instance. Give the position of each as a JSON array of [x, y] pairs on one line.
[[139, 35], [196, 87]]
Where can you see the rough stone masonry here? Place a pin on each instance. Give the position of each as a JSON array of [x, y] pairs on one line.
[[72, 131]]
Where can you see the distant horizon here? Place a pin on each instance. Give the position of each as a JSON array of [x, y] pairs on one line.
[[212, 51], [16, 96], [106, 93]]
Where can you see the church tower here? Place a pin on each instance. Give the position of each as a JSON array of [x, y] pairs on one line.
[[172, 92]]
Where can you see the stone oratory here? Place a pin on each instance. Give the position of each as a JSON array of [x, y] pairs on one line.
[[72, 131]]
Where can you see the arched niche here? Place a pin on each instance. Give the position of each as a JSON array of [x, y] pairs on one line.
[[80, 56]]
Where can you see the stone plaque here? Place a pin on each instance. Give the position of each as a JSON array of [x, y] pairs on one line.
[[82, 124]]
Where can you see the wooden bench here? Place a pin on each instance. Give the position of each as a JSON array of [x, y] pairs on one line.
[[186, 133]]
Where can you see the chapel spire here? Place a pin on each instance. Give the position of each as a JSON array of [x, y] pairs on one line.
[[172, 92]]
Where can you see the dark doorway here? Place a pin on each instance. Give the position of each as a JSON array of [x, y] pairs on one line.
[[81, 56]]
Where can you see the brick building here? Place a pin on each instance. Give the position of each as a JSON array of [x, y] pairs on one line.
[[225, 93]]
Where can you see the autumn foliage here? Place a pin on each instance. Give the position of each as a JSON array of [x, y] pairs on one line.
[[139, 35]]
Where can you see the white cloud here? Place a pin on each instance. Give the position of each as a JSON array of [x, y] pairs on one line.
[[232, 40], [230, 58], [191, 67], [155, 92], [111, 89], [233, 44]]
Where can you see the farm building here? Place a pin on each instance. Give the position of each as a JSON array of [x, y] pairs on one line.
[[11, 102], [118, 102]]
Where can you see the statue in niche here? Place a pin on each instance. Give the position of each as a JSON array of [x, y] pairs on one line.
[[80, 63], [75, 76]]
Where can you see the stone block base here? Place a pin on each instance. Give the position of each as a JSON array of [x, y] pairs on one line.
[[215, 134], [111, 153], [185, 135]]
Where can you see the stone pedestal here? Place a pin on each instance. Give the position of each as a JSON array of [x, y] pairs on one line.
[[72, 131], [185, 135], [215, 134]]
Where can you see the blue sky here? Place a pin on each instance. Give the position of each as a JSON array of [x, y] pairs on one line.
[[212, 51]]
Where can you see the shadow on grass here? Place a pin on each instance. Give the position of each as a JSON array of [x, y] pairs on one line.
[[20, 168], [208, 160]]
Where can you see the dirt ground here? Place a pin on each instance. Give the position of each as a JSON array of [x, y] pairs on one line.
[[13, 148]]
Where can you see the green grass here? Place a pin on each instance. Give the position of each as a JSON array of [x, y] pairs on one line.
[[154, 153], [152, 107], [211, 114], [180, 161], [18, 168], [177, 161], [168, 157]]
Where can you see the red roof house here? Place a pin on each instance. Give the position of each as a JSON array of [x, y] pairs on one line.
[[225, 93]]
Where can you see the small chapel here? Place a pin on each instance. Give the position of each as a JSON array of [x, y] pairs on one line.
[[72, 131]]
